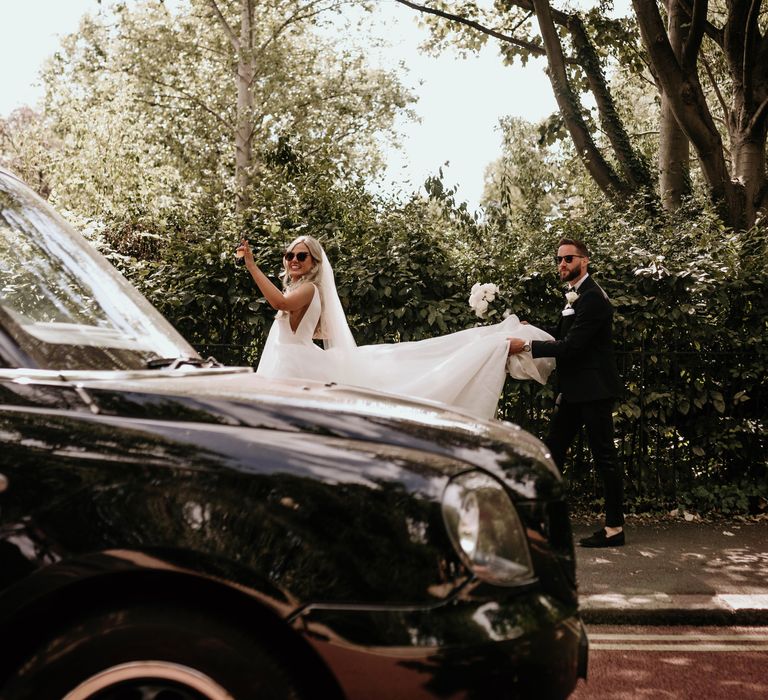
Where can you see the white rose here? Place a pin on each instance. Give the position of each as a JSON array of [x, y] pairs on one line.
[[481, 296], [571, 297]]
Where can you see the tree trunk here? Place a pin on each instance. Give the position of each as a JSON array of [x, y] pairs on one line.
[[674, 153], [680, 83], [747, 54], [674, 148], [749, 171], [243, 50], [245, 106]]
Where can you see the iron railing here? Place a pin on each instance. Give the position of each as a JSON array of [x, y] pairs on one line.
[[686, 418]]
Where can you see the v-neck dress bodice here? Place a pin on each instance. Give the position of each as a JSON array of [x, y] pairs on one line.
[[293, 354], [306, 328]]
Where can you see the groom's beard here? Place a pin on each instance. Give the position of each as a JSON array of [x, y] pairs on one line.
[[571, 275]]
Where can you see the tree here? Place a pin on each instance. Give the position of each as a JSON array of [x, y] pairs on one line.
[[674, 148], [527, 182], [253, 32], [734, 175], [24, 148], [581, 70], [207, 106], [739, 186]]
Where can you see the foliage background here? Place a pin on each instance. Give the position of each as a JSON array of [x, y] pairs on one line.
[[689, 295]]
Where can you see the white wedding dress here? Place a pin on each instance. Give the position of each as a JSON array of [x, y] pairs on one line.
[[466, 369]]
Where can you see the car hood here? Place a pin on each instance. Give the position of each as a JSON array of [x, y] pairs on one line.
[[238, 396]]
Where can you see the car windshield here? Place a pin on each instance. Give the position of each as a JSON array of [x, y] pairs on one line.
[[62, 303]]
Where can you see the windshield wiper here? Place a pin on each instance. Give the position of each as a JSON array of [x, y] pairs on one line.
[[176, 362]]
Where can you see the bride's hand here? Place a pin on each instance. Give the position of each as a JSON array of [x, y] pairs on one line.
[[244, 251]]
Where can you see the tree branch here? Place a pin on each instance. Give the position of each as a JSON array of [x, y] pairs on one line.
[[598, 167], [710, 29], [760, 115], [634, 167], [761, 59], [695, 35], [305, 12], [527, 45], [752, 34], [230, 33], [718, 93], [194, 100]]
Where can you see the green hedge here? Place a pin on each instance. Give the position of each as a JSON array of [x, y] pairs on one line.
[[689, 296]]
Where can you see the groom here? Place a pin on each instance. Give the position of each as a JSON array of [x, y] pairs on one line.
[[588, 382]]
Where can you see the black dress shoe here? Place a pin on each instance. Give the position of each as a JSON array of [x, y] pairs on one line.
[[600, 539]]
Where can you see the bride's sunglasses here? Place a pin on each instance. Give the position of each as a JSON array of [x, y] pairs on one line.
[[301, 257]]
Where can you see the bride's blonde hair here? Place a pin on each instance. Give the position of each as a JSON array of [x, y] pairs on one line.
[[316, 273]]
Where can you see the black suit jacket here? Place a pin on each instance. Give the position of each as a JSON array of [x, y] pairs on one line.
[[586, 365]]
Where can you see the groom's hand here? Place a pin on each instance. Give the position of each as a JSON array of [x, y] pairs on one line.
[[516, 346]]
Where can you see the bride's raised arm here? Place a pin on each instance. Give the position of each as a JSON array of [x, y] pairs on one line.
[[290, 300]]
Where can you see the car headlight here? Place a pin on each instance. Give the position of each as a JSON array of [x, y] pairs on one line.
[[486, 530]]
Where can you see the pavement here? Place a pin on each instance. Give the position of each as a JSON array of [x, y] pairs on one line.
[[673, 571]]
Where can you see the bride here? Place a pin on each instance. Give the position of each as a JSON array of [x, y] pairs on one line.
[[466, 369]]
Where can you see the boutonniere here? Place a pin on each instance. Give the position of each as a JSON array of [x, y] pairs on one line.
[[571, 297]]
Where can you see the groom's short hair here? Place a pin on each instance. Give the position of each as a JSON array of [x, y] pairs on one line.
[[576, 244]]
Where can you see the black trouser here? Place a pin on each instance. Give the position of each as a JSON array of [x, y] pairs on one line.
[[597, 419]]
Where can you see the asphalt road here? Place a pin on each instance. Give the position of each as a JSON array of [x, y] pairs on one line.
[[676, 663]]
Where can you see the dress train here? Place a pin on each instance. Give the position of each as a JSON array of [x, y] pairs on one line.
[[466, 369]]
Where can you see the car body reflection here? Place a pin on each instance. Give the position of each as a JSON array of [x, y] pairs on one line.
[[152, 508]]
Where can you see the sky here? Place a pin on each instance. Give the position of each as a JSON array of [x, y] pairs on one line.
[[460, 100]]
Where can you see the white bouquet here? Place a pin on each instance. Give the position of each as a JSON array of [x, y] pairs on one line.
[[481, 296]]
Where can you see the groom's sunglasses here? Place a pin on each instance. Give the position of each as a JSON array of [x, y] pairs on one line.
[[568, 258], [301, 257]]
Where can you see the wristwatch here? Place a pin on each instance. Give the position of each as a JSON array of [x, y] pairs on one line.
[[527, 346]]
